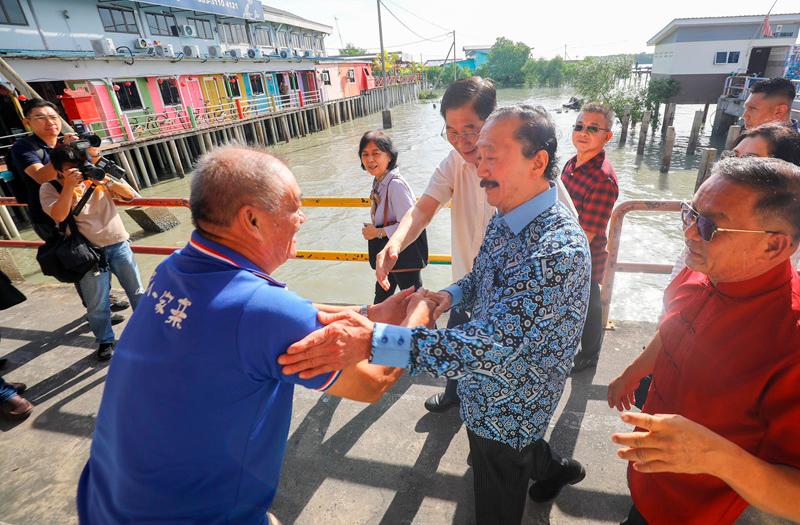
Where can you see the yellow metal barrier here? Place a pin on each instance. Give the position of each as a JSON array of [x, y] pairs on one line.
[[336, 202], [323, 255]]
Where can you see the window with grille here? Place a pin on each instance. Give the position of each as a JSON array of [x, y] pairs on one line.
[[263, 36], [326, 77], [283, 39], [163, 25], [128, 95], [726, 57], [256, 84], [351, 75], [233, 33], [11, 13], [202, 28], [169, 91], [232, 86], [118, 20]]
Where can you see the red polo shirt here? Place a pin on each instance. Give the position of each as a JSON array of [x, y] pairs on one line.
[[730, 361], [593, 188]]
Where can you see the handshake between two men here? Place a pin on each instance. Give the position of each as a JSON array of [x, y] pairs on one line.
[[346, 338]]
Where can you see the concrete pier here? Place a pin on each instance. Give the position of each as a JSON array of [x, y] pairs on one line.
[[346, 463]]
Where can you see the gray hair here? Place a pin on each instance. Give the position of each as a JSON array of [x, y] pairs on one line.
[[598, 107], [776, 181], [233, 176], [536, 132]]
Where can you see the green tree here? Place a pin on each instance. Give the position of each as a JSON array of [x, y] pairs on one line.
[[391, 63], [505, 62], [351, 50], [545, 73], [597, 78]]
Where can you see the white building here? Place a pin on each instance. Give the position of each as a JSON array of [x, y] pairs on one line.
[[702, 52]]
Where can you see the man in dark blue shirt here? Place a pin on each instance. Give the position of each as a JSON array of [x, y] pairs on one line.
[[195, 414], [527, 294]]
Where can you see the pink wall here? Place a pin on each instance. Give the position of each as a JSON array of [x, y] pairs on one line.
[[102, 98]]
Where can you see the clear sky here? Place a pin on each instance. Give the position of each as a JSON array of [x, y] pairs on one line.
[[585, 27]]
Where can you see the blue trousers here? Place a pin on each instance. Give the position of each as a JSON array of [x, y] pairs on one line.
[[96, 285], [6, 391]]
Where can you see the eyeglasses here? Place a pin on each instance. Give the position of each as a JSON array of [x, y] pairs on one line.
[[705, 226], [590, 129], [733, 154], [452, 136], [43, 118]]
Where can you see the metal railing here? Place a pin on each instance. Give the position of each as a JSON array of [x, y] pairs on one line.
[[392, 80], [739, 86], [613, 265], [311, 202]]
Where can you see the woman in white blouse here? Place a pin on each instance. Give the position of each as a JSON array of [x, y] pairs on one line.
[[391, 198]]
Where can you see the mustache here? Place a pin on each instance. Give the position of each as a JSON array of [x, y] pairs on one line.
[[486, 183]]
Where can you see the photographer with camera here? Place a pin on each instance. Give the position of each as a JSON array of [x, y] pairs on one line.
[[87, 192], [29, 161]]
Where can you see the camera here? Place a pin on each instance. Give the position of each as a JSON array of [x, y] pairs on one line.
[[92, 171], [84, 135]]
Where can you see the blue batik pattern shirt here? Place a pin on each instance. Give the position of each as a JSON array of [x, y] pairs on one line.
[[528, 293]]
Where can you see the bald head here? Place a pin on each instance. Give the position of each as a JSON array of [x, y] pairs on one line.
[[234, 176]]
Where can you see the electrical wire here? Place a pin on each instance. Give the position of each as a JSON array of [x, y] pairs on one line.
[[417, 16], [404, 24]]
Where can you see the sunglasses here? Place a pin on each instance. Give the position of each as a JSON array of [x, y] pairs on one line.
[[590, 129], [705, 226]]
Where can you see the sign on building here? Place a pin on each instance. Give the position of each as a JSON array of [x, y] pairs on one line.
[[248, 9]]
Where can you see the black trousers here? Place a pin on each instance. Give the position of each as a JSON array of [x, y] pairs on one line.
[[501, 475], [634, 517], [402, 279], [593, 330]]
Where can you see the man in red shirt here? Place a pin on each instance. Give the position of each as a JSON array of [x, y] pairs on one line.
[[726, 356], [592, 183]]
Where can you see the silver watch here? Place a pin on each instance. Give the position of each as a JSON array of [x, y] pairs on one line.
[[364, 310]]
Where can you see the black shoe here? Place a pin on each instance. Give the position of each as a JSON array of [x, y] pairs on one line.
[[583, 363], [441, 403], [117, 305], [19, 387], [116, 319], [548, 489], [105, 351], [3, 363]]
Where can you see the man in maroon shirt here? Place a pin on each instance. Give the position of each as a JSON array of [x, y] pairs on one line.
[[592, 183], [726, 357]]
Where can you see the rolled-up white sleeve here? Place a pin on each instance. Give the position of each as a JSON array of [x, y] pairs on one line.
[[440, 187]]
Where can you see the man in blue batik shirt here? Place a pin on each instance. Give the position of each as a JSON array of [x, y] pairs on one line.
[[195, 413], [528, 293]]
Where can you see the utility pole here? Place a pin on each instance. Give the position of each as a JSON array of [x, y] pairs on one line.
[[455, 67], [387, 114]]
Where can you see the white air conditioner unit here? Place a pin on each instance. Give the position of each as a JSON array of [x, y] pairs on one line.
[[297, 52], [188, 30], [164, 50], [267, 51], [141, 43], [215, 51], [104, 47], [253, 53], [234, 53], [284, 52], [191, 51]]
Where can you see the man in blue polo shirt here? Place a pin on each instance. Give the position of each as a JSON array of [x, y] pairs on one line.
[[195, 414]]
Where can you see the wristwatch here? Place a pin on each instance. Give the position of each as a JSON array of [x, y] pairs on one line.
[[364, 310]]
